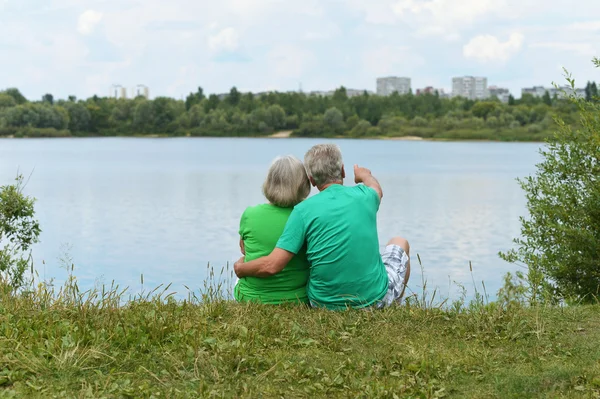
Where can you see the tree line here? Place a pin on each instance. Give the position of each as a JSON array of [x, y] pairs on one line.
[[247, 114]]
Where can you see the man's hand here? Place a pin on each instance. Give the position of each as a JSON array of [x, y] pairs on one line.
[[361, 174], [236, 266], [265, 266]]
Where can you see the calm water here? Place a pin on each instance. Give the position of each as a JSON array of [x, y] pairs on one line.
[[166, 207]]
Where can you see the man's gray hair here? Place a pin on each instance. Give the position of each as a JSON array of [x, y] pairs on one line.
[[287, 184], [324, 164]]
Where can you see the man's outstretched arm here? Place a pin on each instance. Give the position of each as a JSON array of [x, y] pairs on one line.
[[263, 267], [363, 175]]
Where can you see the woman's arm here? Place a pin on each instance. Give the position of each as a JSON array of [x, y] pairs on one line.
[[242, 248]]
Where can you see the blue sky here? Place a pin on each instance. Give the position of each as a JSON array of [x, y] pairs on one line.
[[82, 47]]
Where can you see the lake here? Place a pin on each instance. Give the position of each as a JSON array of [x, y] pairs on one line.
[[165, 208]]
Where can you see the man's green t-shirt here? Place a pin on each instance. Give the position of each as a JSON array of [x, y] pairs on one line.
[[339, 226], [260, 228]]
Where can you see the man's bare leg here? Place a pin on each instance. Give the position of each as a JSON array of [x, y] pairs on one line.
[[403, 243]]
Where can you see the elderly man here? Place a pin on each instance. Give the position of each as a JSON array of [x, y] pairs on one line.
[[339, 228]]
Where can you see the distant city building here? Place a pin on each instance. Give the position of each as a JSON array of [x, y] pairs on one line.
[[471, 87], [536, 91], [389, 85], [349, 93], [357, 92], [118, 91], [431, 90], [561, 92], [501, 93], [141, 90]]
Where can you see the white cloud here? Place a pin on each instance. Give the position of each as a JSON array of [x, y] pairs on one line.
[[321, 43], [443, 17], [225, 40], [584, 49], [587, 26], [326, 32], [391, 60], [87, 21], [290, 61], [488, 48]]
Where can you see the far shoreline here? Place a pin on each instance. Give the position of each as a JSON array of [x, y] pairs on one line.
[[286, 134]]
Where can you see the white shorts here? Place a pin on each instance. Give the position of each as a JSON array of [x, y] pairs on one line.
[[396, 264]]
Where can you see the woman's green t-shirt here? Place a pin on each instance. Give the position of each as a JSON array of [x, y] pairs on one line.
[[260, 229]]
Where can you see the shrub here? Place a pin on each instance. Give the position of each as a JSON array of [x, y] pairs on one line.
[[419, 121], [361, 129], [449, 123], [18, 231], [334, 119], [534, 128], [373, 131], [560, 239], [392, 125], [514, 125], [492, 122]]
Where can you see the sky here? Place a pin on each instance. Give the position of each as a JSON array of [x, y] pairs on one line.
[[82, 47]]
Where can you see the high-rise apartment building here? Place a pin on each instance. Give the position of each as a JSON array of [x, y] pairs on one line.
[[141, 90], [471, 87], [118, 91], [499, 92], [560, 92], [391, 84]]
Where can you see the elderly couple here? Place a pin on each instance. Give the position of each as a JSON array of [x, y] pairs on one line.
[[324, 250]]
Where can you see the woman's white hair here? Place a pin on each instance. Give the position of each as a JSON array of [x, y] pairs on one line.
[[287, 184], [324, 164]]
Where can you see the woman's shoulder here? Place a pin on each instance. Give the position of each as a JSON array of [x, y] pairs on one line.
[[264, 209]]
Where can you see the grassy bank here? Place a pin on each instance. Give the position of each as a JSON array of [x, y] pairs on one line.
[[513, 135], [86, 345], [428, 133]]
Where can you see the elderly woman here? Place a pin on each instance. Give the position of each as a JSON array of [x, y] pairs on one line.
[[261, 226]]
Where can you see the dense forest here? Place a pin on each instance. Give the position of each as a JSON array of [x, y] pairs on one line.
[[246, 114]]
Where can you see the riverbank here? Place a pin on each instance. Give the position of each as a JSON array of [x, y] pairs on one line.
[[78, 347], [428, 135]]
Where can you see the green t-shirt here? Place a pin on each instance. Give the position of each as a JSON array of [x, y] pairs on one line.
[[339, 226], [260, 228]]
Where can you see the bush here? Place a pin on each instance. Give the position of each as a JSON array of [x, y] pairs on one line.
[[449, 123], [419, 121], [361, 129], [514, 125], [534, 128], [373, 131], [334, 120], [392, 125], [560, 240], [18, 231], [313, 128], [7, 131], [43, 132], [492, 122]]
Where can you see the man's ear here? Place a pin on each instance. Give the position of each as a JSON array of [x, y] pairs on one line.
[[312, 181], [343, 172]]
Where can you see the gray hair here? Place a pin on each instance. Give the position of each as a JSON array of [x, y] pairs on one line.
[[324, 164], [287, 184]]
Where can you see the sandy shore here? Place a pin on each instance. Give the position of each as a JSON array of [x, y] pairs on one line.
[[403, 138], [282, 135], [288, 133]]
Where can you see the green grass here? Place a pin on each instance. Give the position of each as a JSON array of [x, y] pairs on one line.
[[95, 344]]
